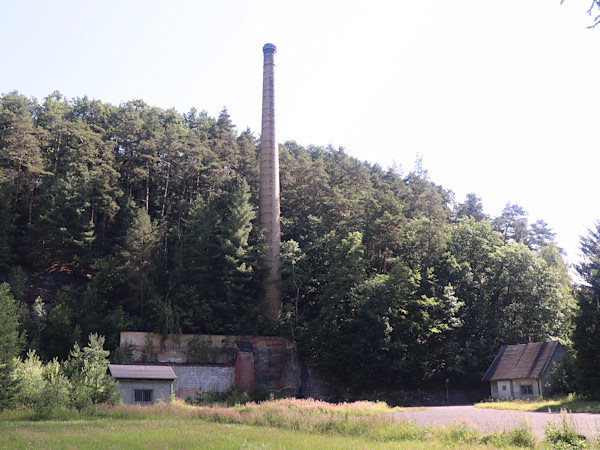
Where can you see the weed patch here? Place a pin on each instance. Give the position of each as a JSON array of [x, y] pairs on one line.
[[564, 435]]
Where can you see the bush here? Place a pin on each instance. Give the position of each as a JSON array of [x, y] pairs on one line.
[[237, 397], [564, 435], [563, 375], [234, 396], [42, 387], [78, 383], [86, 368]]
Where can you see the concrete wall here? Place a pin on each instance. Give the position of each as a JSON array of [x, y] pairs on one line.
[[161, 390], [512, 388], [494, 389], [192, 378], [533, 382], [276, 366]]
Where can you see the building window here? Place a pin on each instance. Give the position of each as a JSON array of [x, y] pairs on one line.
[[142, 395], [503, 387], [526, 389]]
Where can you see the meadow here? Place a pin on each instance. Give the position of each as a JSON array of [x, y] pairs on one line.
[[285, 423], [570, 403]]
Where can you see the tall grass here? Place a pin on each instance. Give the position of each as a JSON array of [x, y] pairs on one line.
[[565, 435], [570, 403], [367, 421]]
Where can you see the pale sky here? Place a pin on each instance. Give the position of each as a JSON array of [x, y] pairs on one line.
[[498, 98]]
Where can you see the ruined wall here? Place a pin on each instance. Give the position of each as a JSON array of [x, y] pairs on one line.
[[276, 366]]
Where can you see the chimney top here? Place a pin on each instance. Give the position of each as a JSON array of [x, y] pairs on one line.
[[269, 48]]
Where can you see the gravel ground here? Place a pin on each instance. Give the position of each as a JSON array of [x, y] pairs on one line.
[[490, 420]]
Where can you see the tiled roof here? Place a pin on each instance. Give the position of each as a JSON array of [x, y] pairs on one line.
[[142, 372], [521, 361]]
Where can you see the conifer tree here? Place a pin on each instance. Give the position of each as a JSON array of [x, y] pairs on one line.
[[239, 258], [10, 344], [139, 257], [586, 337]]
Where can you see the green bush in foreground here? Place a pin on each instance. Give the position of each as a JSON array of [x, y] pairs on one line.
[[79, 382], [564, 435]]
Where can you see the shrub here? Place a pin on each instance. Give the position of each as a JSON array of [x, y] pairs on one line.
[[80, 382], [86, 369], [234, 396], [237, 397], [520, 437], [42, 387], [564, 435], [28, 375]]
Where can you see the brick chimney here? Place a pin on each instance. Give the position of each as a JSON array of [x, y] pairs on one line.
[[269, 188]]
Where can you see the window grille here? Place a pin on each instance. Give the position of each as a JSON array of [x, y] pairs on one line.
[[142, 395], [526, 389]]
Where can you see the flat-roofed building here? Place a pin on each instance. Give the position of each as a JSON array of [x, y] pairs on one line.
[[143, 384]]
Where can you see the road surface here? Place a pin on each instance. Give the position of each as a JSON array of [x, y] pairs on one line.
[[495, 420]]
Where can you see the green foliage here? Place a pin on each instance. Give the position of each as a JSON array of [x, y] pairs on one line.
[[79, 382], [271, 424], [10, 344], [510, 294], [87, 369], [562, 378], [149, 217], [564, 435], [59, 332], [232, 397], [586, 340], [29, 376], [42, 387]]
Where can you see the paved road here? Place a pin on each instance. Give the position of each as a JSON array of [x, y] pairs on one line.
[[490, 420]]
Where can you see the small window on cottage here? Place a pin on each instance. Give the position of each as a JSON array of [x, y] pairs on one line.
[[503, 387], [526, 389], [142, 395]]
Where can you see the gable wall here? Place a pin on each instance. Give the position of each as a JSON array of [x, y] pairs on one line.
[[513, 388]]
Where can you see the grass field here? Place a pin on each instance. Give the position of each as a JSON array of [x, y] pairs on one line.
[[190, 434], [569, 403], [275, 424]]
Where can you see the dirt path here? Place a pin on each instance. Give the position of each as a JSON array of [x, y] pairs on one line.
[[490, 420]]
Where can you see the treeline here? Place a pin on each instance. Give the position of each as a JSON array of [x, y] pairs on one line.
[[137, 217]]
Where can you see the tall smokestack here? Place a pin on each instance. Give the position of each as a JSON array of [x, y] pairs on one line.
[[269, 188]]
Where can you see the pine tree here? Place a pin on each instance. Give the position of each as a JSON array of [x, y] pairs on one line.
[[586, 337], [10, 344], [139, 257]]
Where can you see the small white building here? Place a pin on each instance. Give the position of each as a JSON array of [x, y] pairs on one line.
[[143, 384], [522, 370]]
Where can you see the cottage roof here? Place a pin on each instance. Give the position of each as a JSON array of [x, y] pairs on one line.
[[141, 372], [521, 361]]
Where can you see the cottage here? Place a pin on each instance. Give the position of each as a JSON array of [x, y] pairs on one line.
[[143, 384], [523, 370]]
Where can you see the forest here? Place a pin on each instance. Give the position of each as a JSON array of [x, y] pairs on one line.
[[135, 217]]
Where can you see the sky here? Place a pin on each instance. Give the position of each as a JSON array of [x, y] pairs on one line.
[[497, 98]]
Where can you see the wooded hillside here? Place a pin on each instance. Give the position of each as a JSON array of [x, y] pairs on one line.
[[140, 218]]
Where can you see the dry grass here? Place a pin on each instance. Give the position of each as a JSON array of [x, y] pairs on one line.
[[569, 403], [366, 424]]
